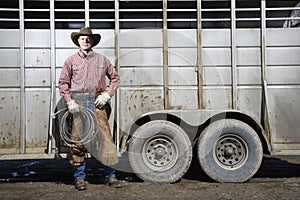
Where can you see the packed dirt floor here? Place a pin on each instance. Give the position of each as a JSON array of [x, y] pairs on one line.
[[278, 178]]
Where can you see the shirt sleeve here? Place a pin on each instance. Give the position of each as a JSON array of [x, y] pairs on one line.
[[64, 82], [114, 78]]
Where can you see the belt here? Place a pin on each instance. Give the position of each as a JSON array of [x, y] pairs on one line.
[[87, 94]]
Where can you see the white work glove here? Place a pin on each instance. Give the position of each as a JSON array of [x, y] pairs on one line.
[[102, 99], [73, 107]]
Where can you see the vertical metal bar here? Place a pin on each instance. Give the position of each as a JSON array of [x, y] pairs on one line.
[[22, 84], [117, 31], [52, 76], [233, 55], [264, 106], [117, 65], [165, 55], [199, 57], [87, 13], [263, 39]]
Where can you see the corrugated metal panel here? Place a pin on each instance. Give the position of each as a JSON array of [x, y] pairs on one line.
[[249, 75], [285, 112], [134, 102], [37, 119], [10, 121], [9, 57], [182, 38], [37, 38], [248, 56], [141, 57], [63, 38], [9, 38], [140, 38], [216, 76], [284, 75], [249, 101], [216, 56], [182, 56], [217, 98], [182, 76], [107, 38], [252, 35], [283, 56], [183, 98], [37, 83], [213, 38], [37, 58], [10, 81], [10, 77], [283, 37], [141, 76], [37, 77]]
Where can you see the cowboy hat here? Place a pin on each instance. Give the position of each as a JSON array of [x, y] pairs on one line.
[[87, 32]]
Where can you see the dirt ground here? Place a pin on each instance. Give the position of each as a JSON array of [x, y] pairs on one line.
[[278, 178]]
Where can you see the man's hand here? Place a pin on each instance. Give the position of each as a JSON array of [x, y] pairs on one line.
[[102, 99], [73, 107]]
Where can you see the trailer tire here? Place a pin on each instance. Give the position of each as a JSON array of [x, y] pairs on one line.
[[229, 151], [160, 151]]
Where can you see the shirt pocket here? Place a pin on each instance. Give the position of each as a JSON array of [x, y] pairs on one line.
[[78, 72], [75, 68], [100, 71]]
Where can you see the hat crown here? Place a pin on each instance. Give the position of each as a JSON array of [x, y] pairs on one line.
[[85, 31]]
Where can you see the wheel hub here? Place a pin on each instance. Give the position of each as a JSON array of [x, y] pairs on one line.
[[160, 153], [230, 151]]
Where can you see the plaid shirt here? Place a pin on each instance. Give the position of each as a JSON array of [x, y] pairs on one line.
[[87, 73]]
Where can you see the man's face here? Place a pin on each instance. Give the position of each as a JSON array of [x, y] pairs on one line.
[[85, 42]]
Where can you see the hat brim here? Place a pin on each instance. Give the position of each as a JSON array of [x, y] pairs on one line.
[[75, 36]]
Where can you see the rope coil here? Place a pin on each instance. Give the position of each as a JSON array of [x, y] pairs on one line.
[[88, 126]]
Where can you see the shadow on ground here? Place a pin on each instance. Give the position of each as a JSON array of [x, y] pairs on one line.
[[59, 170], [54, 170], [271, 167]]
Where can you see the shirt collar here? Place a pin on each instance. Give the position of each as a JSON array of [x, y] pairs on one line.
[[81, 54]]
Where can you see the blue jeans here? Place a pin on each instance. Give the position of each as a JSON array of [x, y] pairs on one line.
[[79, 171], [87, 102]]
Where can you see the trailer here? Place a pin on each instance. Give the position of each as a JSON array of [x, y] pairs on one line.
[[212, 80]]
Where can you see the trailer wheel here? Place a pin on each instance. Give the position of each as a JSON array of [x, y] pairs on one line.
[[229, 151], [160, 151]]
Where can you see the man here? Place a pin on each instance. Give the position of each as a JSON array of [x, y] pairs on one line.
[[83, 79]]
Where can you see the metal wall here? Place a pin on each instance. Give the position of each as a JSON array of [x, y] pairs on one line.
[[171, 55], [283, 76]]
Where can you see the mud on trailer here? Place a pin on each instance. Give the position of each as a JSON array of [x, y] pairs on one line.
[[219, 80]]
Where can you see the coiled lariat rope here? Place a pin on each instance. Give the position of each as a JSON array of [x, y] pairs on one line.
[[88, 128]]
